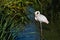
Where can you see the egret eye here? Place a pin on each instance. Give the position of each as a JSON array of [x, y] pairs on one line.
[[37, 13]]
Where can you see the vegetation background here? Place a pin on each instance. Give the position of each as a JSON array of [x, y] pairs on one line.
[[13, 13]]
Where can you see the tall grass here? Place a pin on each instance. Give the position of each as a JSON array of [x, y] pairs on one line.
[[13, 13]]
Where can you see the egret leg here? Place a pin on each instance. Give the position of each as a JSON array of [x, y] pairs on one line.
[[41, 30]]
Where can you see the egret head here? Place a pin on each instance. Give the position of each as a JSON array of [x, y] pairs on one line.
[[37, 13]]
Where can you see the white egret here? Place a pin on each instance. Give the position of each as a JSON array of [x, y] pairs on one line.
[[41, 18]]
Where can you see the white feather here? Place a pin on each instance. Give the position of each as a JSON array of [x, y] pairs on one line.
[[40, 17]]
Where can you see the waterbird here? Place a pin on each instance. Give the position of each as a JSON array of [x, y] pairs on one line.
[[41, 18]]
